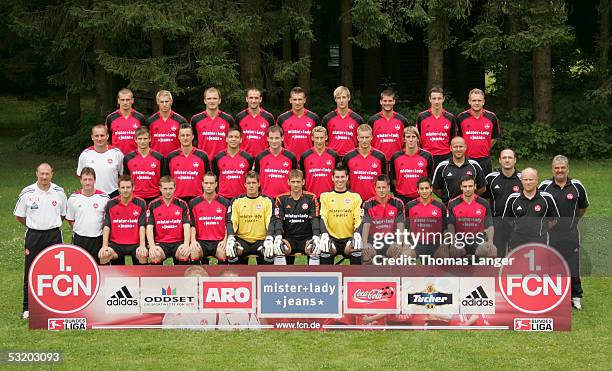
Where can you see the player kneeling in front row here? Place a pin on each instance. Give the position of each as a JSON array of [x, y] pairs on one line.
[[209, 218], [297, 217], [470, 221], [251, 231], [168, 226], [340, 220], [124, 227], [382, 215]]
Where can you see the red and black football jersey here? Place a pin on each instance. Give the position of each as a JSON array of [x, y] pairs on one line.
[[164, 133], [125, 221], [405, 171], [211, 132], [383, 217], [274, 171], [187, 171], [342, 131], [318, 170], [298, 130], [429, 220], [254, 129], [388, 134], [168, 220], [436, 132], [231, 172], [472, 217], [478, 132], [145, 171], [210, 219], [363, 171], [121, 129]]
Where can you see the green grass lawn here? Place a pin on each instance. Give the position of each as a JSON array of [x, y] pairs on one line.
[[588, 346]]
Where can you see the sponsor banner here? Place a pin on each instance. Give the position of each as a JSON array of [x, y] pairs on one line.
[[69, 293], [372, 295]]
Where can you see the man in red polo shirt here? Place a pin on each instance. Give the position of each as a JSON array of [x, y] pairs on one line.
[[187, 166], [254, 122], [388, 126], [231, 166], [124, 227], [408, 166], [365, 164], [210, 126], [437, 127], [480, 129], [145, 166], [298, 123], [342, 123], [164, 125], [124, 121], [274, 164], [168, 226], [426, 221], [318, 163]]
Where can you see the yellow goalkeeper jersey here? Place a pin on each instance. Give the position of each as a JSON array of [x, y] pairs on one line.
[[340, 213], [251, 217]]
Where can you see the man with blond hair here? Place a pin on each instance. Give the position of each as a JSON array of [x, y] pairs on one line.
[[164, 125], [342, 123]]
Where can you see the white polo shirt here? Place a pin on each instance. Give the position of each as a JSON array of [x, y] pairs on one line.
[[108, 166], [87, 213], [43, 210]]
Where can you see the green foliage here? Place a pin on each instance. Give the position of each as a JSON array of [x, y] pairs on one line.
[[528, 139], [375, 19]]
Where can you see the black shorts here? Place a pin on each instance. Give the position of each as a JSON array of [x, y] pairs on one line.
[[123, 251], [298, 245], [90, 244], [209, 247], [170, 248], [252, 248], [340, 244]]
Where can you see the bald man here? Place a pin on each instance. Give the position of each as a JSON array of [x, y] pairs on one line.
[[531, 212], [448, 173]]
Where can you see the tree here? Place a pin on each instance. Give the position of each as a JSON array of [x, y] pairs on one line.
[[346, 48], [604, 40]]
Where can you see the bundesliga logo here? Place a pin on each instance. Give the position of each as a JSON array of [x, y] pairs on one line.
[[374, 295]]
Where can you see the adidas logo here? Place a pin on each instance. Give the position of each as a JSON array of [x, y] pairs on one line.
[[449, 174], [519, 208], [477, 297], [496, 187], [123, 296]]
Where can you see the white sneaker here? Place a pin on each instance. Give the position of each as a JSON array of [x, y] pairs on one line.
[[576, 303], [25, 314]]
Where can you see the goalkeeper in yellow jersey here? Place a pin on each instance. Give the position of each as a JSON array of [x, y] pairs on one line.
[[340, 220]]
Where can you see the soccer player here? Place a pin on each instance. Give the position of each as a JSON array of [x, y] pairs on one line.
[[437, 127], [124, 227], [388, 126], [408, 166], [254, 122], [340, 221], [426, 220], [298, 122], [231, 165], [381, 215], [210, 126], [318, 163], [41, 208], [500, 185], [342, 123], [297, 216], [85, 213], [251, 229], [145, 166], [274, 164], [572, 201], [168, 226], [531, 213], [449, 172], [106, 160], [365, 164], [471, 214], [479, 128], [209, 219], [122, 123], [164, 125], [187, 166]]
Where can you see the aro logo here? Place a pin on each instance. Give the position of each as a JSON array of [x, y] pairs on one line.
[[227, 294]]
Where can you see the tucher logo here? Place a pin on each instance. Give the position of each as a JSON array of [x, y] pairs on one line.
[[121, 294], [371, 295], [533, 324], [56, 324], [169, 294], [430, 298], [430, 295], [227, 294]]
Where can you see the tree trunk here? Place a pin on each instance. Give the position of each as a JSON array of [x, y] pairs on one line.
[[286, 59], [250, 61], [513, 61], [371, 78], [304, 46], [103, 82], [435, 67], [604, 39], [157, 44], [542, 85], [346, 48], [73, 93]]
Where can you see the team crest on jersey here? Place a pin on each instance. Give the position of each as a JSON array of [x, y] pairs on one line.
[[218, 211], [95, 205], [153, 165], [110, 160], [177, 213], [54, 203], [374, 166], [351, 126], [434, 212], [258, 206], [285, 164], [446, 127], [262, 125], [478, 212], [222, 127], [421, 164], [347, 201], [305, 206], [195, 164], [469, 172], [487, 126], [515, 188], [135, 213], [397, 127], [391, 213], [308, 124], [537, 207], [135, 126], [570, 196], [328, 163], [241, 165], [173, 128], [288, 207]]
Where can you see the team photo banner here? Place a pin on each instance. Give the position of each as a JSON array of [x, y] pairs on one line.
[[526, 291]]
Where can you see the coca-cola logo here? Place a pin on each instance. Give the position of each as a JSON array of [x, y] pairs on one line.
[[374, 295]]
